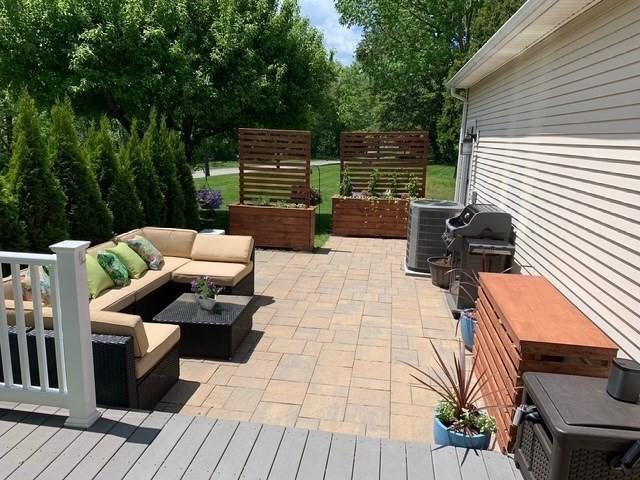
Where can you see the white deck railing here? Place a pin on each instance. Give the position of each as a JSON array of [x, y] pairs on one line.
[[71, 331]]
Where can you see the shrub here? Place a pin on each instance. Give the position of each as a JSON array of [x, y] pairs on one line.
[[412, 187], [346, 188], [185, 178], [146, 180], [115, 179], [315, 197], [394, 185], [374, 180], [12, 233], [157, 147], [88, 215], [41, 201]]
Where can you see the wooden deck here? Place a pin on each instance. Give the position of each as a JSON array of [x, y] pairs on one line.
[[144, 445]]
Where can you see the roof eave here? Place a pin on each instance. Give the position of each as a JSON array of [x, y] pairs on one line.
[[534, 21]]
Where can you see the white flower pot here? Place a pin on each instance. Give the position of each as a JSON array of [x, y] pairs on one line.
[[206, 303]]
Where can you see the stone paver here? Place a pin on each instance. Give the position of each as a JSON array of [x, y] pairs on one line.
[[329, 346]]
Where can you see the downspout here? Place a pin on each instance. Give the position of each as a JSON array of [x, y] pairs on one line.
[[461, 191]]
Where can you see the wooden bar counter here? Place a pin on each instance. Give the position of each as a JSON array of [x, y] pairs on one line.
[[525, 324]]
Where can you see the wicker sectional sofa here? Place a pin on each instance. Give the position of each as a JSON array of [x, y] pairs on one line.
[[136, 362]]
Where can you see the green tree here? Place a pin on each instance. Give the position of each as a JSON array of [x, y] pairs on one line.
[[12, 232], [41, 201], [185, 177], [87, 214], [210, 66], [115, 179], [490, 17], [411, 47], [357, 104], [157, 148], [146, 180]]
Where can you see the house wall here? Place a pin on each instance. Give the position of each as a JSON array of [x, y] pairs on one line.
[[559, 148]]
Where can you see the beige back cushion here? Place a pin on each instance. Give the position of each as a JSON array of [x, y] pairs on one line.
[[114, 323], [103, 322], [93, 251], [172, 242], [222, 248], [129, 235], [8, 288]]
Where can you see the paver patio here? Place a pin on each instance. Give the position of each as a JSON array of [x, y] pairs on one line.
[[328, 345]]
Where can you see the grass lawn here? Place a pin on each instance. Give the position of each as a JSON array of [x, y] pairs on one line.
[[440, 184]]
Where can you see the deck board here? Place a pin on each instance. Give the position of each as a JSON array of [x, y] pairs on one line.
[[263, 453], [472, 466], [393, 460], [316, 453], [186, 449], [211, 451], [340, 461], [285, 466], [150, 461], [239, 449], [160, 445], [122, 461], [34, 441], [64, 463], [107, 446]]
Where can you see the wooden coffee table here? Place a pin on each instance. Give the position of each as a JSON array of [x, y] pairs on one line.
[[209, 334]]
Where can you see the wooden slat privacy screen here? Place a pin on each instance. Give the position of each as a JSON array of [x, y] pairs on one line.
[[275, 165], [404, 153]]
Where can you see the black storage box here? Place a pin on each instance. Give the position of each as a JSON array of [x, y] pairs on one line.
[[580, 433]]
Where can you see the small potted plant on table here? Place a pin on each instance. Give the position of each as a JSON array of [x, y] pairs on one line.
[[205, 291], [457, 419]]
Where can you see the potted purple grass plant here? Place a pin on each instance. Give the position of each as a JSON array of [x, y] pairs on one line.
[[205, 291], [209, 199], [458, 421]]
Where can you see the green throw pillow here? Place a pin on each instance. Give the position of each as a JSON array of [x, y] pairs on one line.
[[135, 265], [147, 251], [99, 280], [114, 267]]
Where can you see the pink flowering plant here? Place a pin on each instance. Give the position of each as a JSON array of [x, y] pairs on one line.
[[205, 287]]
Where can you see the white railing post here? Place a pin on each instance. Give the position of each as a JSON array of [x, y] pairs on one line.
[[76, 332]]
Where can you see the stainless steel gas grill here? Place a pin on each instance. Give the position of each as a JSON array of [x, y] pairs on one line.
[[479, 241]]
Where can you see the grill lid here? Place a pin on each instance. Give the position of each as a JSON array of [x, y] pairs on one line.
[[584, 402]]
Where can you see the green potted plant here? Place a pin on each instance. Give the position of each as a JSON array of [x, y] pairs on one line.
[[458, 421], [205, 291]]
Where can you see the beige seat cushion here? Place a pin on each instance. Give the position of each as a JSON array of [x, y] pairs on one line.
[[227, 274], [162, 338], [113, 323], [150, 281], [114, 299], [173, 263], [172, 242], [10, 307], [222, 248]]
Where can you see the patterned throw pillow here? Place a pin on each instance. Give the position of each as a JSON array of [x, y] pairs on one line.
[[114, 267], [27, 287], [147, 251]]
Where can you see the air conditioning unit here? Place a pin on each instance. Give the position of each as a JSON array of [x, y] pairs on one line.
[[424, 236]]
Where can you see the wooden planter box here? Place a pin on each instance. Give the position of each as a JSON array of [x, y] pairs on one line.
[[375, 217], [275, 227]]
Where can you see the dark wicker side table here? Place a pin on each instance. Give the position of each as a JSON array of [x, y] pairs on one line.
[[210, 334]]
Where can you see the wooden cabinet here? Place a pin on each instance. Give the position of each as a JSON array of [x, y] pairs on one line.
[[525, 324]]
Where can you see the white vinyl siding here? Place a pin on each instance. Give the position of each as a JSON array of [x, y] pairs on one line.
[[559, 148]]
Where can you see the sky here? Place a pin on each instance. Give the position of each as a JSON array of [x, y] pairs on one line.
[[342, 40]]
